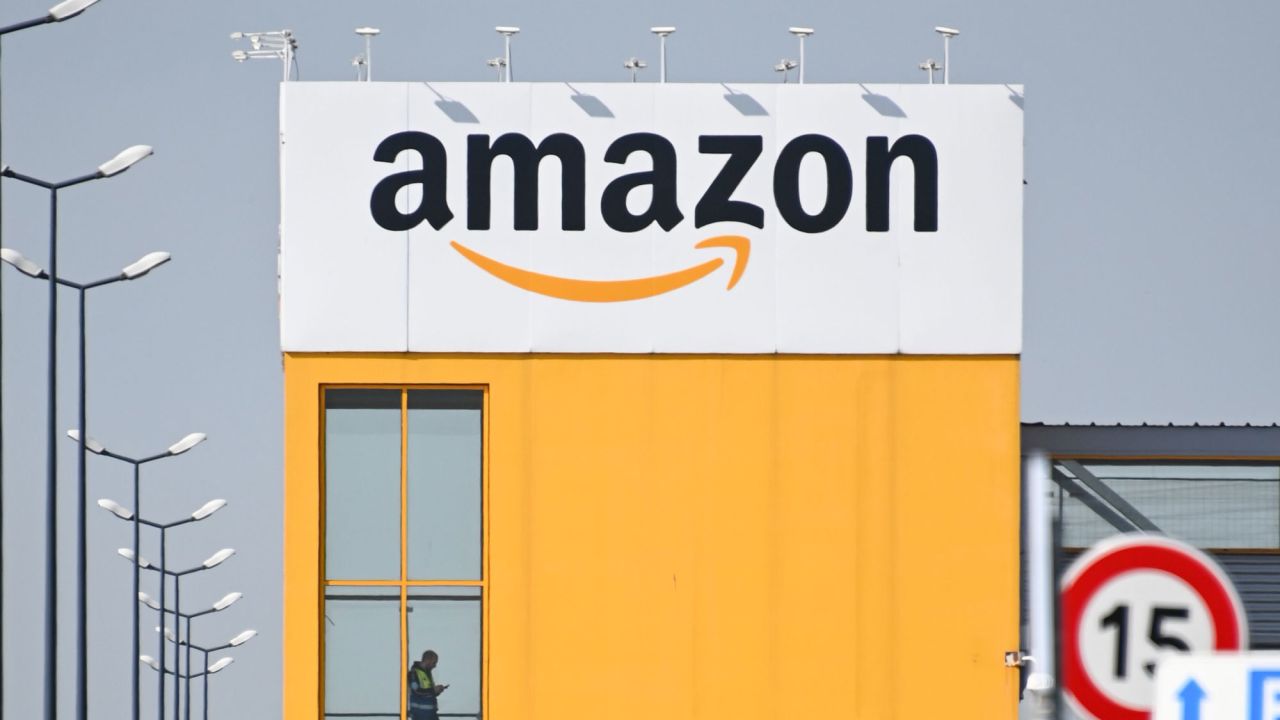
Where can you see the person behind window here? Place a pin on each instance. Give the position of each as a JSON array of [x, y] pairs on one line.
[[423, 689]]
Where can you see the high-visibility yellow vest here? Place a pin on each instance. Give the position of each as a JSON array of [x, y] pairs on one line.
[[423, 700]]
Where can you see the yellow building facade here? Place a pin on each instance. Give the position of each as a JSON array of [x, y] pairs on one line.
[[633, 401], [702, 536]]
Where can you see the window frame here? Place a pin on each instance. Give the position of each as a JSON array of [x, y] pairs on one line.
[[404, 584]]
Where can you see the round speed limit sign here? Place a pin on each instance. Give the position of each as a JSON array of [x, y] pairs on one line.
[[1127, 601]]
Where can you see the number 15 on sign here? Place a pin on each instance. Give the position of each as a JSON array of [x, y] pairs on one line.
[[1130, 601]]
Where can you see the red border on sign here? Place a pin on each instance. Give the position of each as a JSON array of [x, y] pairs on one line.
[[1221, 601]]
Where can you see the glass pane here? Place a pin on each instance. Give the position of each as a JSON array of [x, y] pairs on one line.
[[447, 620], [362, 484], [1207, 505], [361, 652], [444, 484]]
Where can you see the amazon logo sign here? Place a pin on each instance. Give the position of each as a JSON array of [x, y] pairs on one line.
[[719, 202]]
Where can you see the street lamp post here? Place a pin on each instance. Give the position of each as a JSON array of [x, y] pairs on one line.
[[236, 641], [213, 561], [62, 11], [134, 518], [116, 165], [131, 272], [178, 639], [210, 670]]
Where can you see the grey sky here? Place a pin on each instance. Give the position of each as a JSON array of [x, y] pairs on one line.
[[1151, 217]]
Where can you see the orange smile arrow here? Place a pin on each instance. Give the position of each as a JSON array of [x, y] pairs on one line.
[[615, 290]]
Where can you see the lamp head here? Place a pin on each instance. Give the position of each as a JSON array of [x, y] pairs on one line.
[[507, 30], [662, 30], [127, 554], [116, 509], [227, 601], [242, 638], [800, 31], [147, 600], [90, 444], [68, 9], [239, 55], [150, 662], [126, 159], [144, 265], [218, 558], [208, 509], [187, 443], [22, 264], [946, 32], [220, 664], [367, 31]]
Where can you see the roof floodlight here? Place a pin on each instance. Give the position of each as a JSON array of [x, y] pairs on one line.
[[801, 33], [126, 159], [947, 33], [22, 264], [68, 9], [662, 31]]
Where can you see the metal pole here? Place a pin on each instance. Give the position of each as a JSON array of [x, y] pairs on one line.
[[51, 480], [662, 62], [802, 59], [177, 632], [205, 695], [186, 705], [946, 60], [137, 572], [1, 434], [1040, 583], [82, 575], [368, 58], [163, 582], [506, 44]]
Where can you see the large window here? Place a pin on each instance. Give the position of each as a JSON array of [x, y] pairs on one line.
[[404, 562]]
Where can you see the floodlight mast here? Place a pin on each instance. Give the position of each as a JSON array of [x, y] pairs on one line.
[[662, 31], [802, 33], [947, 33], [635, 65], [368, 33], [930, 65], [273, 44], [506, 31]]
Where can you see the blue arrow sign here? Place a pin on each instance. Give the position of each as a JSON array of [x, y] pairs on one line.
[[1191, 695]]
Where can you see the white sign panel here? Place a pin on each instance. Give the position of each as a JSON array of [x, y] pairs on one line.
[[1218, 687], [646, 218], [1128, 604]]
